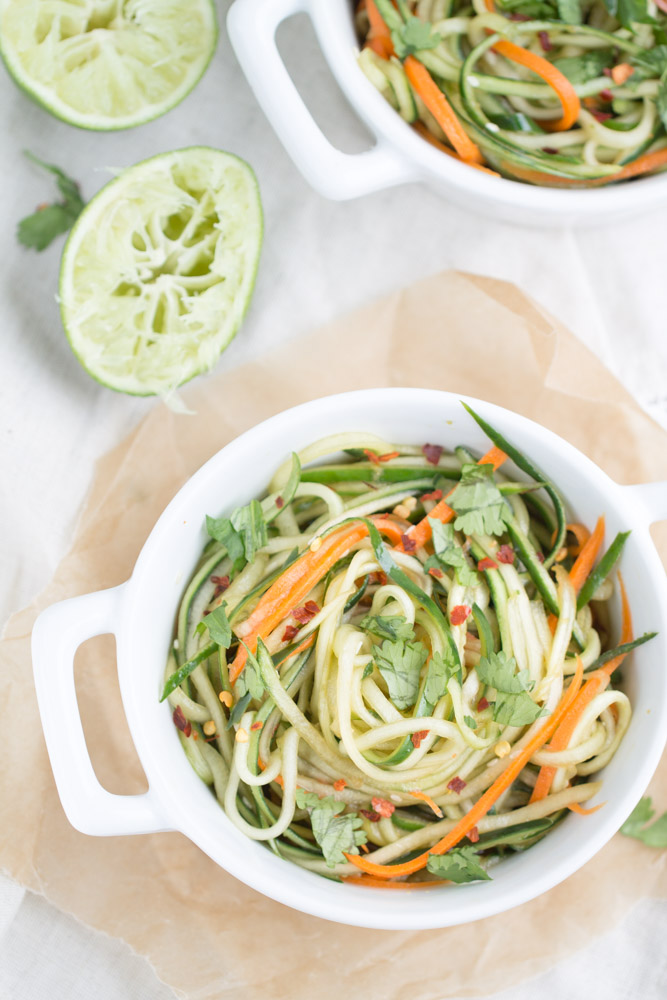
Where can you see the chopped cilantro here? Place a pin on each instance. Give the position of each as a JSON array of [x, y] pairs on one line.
[[478, 502], [513, 705], [400, 664], [449, 554], [388, 627], [458, 865], [336, 832]]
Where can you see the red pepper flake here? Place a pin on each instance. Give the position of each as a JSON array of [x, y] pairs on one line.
[[418, 737], [487, 563], [456, 785], [409, 544], [545, 41], [540, 557], [181, 722], [607, 70], [378, 577], [207, 612], [550, 150], [340, 784], [473, 835], [606, 95], [305, 613], [280, 502], [433, 495], [290, 632], [505, 554], [221, 584], [388, 456], [437, 573], [432, 452], [257, 725], [459, 614], [372, 456], [374, 817], [383, 807], [601, 116], [518, 17], [482, 704]]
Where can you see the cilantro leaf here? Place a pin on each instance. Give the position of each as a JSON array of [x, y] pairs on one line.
[[458, 865], [513, 705], [478, 502], [635, 826], [218, 627], [439, 672], [569, 11], [38, 230], [448, 553], [628, 12], [336, 832], [414, 35], [251, 681], [388, 627], [242, 534], [581, 69], [400, 664], [470, 722], [650, 62]]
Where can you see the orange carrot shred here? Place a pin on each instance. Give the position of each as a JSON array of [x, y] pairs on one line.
[[429, 802]]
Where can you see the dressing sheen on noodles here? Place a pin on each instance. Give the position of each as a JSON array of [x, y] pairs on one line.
[[397, 667]]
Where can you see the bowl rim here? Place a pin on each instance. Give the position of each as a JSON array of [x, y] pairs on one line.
[[337, 39], [280, 879]]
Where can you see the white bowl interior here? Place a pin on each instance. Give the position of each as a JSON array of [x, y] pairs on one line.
[[241, 471]]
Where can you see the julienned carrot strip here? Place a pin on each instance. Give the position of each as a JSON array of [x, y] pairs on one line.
[[421, 532], [425, 134], [486, 801], [428, 800], [581, 533], [380, 883], [559, 83], [580, 811], [584, 561], [642, 165], [594, 685], [298, 580], [441, 109], [378, 25]]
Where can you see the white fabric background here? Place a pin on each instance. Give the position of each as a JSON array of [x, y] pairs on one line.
[[319, 260]]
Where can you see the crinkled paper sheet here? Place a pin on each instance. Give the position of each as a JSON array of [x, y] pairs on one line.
[[206, 934]]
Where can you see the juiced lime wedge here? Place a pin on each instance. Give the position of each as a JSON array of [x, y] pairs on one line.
[[107, 64], [159, 269]]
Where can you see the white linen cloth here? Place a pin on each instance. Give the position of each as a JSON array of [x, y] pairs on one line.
[[320, 259]]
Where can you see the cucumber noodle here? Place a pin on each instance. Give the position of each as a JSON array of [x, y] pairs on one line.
[[329, 718], [506, 109]]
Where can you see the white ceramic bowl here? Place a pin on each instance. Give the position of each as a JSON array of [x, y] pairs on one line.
[[400, 154], [141, 612]]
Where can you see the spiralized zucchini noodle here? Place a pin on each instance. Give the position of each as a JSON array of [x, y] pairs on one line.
[[399, 660], [561, 93]]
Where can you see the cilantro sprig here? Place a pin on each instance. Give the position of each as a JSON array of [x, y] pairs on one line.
[[391, 627], [38, 230], [478, 502], [338, 833], [513, 705], [400, 664], [408, 33], [459, 865], [449, 554], [653, 835]]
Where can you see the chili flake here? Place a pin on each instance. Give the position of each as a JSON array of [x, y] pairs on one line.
[[305, 613], [437, 573], [257, 725], [379, 577], [220, 582], [482, 704], [418, 737], [473, 835], [290, 632], [340, 784], [505, 554], [487, 563], [601, 116], [545, 41], [433, 495], [181, 722], [371, 815], [409, 544], [383, 807], [432, 453], [456, 785], [280, 502], [459, 614]]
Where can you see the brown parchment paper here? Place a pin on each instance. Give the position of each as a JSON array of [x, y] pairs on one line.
[[206, 934]]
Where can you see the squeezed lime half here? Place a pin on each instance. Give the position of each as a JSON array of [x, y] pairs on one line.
[[159, 269], [107, 64]]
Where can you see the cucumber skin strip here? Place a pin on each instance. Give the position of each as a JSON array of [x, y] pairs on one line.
[[180, 675], [602, 570], [621, 650], [526, 466]]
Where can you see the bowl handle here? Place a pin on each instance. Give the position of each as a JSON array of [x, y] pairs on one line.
[[252, 26], [651, 498], [56, 636]]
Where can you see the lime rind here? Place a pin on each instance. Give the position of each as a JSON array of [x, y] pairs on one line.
[[143, 58], [159, 269]]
